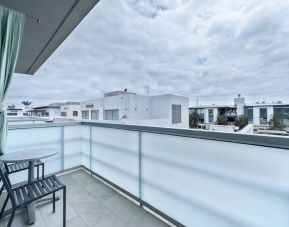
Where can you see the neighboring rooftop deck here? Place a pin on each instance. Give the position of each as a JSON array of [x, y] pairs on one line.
[[89, 203]]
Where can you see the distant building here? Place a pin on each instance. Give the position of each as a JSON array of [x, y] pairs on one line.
[[67, 110], [49, 111], [70, 110], [13, 111], [208, 114], [126, 107], [259, 113]]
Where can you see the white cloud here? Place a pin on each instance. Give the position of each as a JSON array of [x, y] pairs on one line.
[[210, 50]]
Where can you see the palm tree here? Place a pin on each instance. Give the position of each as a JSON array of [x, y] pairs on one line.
[[26, 103]]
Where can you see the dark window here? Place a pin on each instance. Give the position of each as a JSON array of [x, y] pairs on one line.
[[283, 112], [63, 114], [94, 115], [12, 114], [85, 114], [211, 115], [249, 114], [75, 113], [111, 115], [263, 116]]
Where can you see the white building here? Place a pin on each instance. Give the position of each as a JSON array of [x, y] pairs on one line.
[[64, 110], [258, 114], [130, 108], [49, 111], [13, 111], [70, 110]]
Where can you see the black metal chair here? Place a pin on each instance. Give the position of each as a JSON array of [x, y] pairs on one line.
[[17, 167], [21, 166], [22, 195]]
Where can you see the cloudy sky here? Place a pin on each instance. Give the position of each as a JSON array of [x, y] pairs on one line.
[[207, 50]]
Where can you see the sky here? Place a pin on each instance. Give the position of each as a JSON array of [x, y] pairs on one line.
[[207, 50]]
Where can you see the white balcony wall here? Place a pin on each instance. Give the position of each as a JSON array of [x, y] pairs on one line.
[[197, 182], [86, 146], [68, 139], [211, 183], [114, 155]]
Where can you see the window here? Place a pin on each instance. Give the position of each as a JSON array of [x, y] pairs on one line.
[[12, 114], [211, 115], [89, 105], [249, 114], [263, 116], [94, 115], [85, 114], [111, 115], [75, 113], [283, 113], [63, 114], [176, 114]]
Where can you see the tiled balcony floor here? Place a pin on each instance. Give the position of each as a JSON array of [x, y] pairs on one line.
[[89, 203]]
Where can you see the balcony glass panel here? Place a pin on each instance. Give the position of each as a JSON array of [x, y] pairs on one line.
[[115, 156]]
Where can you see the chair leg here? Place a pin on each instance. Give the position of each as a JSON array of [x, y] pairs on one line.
[[53, 202], [4, 206], [43, 171], [64, 206], [1, 190], [11, 217], [37, 172]]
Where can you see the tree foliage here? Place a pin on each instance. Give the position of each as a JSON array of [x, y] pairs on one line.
[[221, 120], [275, 122], [26, 103], [241, 121], [193, 120]]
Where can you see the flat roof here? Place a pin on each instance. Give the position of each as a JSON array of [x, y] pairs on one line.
[[212, 106], [45, 107], [57, 19]]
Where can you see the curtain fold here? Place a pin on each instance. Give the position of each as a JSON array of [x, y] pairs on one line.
[[11, 29]]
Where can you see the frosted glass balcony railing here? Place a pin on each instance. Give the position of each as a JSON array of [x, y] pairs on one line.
[[193, 177]]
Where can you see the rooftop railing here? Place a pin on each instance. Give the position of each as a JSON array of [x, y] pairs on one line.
[[190, 177]]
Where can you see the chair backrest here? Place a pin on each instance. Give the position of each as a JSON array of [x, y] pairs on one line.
[[6, 182]]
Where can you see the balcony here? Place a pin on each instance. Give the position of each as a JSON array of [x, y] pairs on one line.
[[186, 177], [90, 203]]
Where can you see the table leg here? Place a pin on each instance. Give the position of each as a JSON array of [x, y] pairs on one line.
[[31, 206]]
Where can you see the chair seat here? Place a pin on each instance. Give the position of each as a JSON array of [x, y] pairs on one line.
[[16, 167], [29, 192]]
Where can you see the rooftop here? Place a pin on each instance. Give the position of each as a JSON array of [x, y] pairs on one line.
[[90, 202]]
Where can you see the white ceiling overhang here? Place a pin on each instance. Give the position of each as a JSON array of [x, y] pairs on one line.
[[58, 18]]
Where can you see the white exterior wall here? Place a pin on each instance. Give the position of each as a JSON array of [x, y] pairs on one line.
[[142, 110], [19, 113], [69, 111], [270, 112], [256, 115], [161, 108], [206, 114], [97, 105]]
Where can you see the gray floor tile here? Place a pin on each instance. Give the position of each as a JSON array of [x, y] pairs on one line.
[[124, 208], [82, 177], [100, 190], [54, 219], [92, 213], [112, 221], [148, 219], [90, 203], [75, 222]]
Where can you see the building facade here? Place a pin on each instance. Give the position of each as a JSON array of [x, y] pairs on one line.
[[130, 108], [259, 113]]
